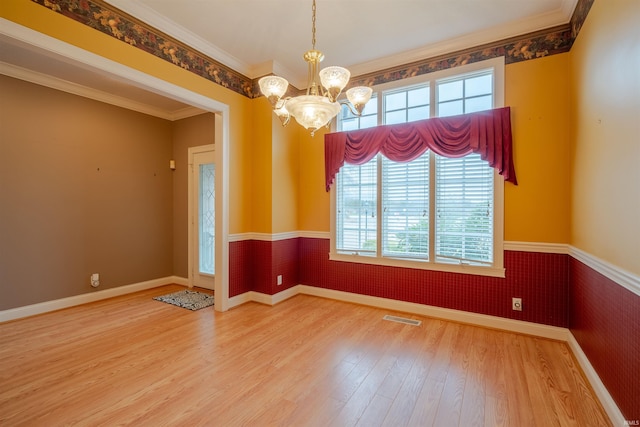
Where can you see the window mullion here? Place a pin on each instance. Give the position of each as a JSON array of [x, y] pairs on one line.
[[379, 207], [432, 179], [432, 207]]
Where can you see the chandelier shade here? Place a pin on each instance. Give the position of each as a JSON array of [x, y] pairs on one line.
[[312, 111], [320, 104], [334, 79], [273, 87], [359, 96]]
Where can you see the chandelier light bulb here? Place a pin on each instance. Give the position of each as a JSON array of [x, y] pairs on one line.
[[359, 96], [273, 87], [334, 79]]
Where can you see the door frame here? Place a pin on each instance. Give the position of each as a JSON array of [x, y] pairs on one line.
[[192, 263]]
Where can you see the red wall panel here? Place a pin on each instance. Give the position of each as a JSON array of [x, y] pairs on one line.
[[540, 279], [604, 317], [254, 265]]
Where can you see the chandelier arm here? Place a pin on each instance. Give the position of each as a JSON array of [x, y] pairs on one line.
[[281, 102], [351, 108]]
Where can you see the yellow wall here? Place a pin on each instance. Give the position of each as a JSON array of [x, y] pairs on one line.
[[274, 172], [286, 170], [45, 21], [259, 171], [313, 206], [538, 208], [605, 95]]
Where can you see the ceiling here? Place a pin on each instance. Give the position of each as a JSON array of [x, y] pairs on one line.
[[258, 37]]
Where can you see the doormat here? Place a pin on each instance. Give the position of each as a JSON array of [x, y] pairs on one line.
[[191, 300]]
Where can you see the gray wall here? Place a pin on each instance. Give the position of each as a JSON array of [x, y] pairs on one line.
[[84, 187]]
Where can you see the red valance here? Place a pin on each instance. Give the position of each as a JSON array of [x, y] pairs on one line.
[[487, 133]]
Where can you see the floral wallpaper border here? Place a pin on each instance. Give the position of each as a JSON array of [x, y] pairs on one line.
[[110, 20]]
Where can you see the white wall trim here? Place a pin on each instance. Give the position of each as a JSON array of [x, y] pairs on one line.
[[555, 248], [315, 234], [259, 297], [547, 248], [241, 299], [266, 237], [519, 326], [58, 304], [622, 277], [95, 94], [598, 386], [182, 281]]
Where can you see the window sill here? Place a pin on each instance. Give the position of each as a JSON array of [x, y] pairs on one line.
[[420, 265]]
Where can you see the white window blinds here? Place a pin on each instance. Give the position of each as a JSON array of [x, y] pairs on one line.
[[464, 210], [356, 206], [405, 204]]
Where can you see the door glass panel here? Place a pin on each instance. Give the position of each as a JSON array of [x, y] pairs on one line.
[[206, 217]]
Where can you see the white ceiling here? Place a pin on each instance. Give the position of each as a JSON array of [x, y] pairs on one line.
[[258, 37]]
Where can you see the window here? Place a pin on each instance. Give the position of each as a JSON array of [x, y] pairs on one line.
[[433, 212]]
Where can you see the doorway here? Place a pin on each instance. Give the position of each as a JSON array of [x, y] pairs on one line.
[[71, 55], [202, 217]]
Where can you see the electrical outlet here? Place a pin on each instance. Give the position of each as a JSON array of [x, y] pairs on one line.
[[516, 304], [279, 279], [95, 280]]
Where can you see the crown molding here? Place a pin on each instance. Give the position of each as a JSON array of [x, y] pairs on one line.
[[522, 27], [197, 55], [30, 76], [151, 18], [46, 80], [83, 58]]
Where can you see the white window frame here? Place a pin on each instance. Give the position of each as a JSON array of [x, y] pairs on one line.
[[497, 268]]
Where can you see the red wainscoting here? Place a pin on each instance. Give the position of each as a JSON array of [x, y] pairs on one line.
[[604, 317], [540, 279], [254, 265]]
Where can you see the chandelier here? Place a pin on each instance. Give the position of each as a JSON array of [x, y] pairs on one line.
[[320, 105]]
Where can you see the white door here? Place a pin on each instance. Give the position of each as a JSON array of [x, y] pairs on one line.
[[202, 217]]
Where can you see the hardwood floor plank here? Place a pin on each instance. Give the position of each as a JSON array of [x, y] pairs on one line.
[[496, 398], [307, 361], [407, 397], [473, 400], [450, 404]]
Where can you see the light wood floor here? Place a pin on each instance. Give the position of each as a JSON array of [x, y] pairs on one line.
[[307, 361]]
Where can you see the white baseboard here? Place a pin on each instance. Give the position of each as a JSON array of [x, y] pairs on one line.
[[183, 281], [605, 398], [487, 321], [494, 322], [261, 298], [47, 306]]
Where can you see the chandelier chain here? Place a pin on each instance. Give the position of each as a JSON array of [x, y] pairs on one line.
[[313, 25]]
